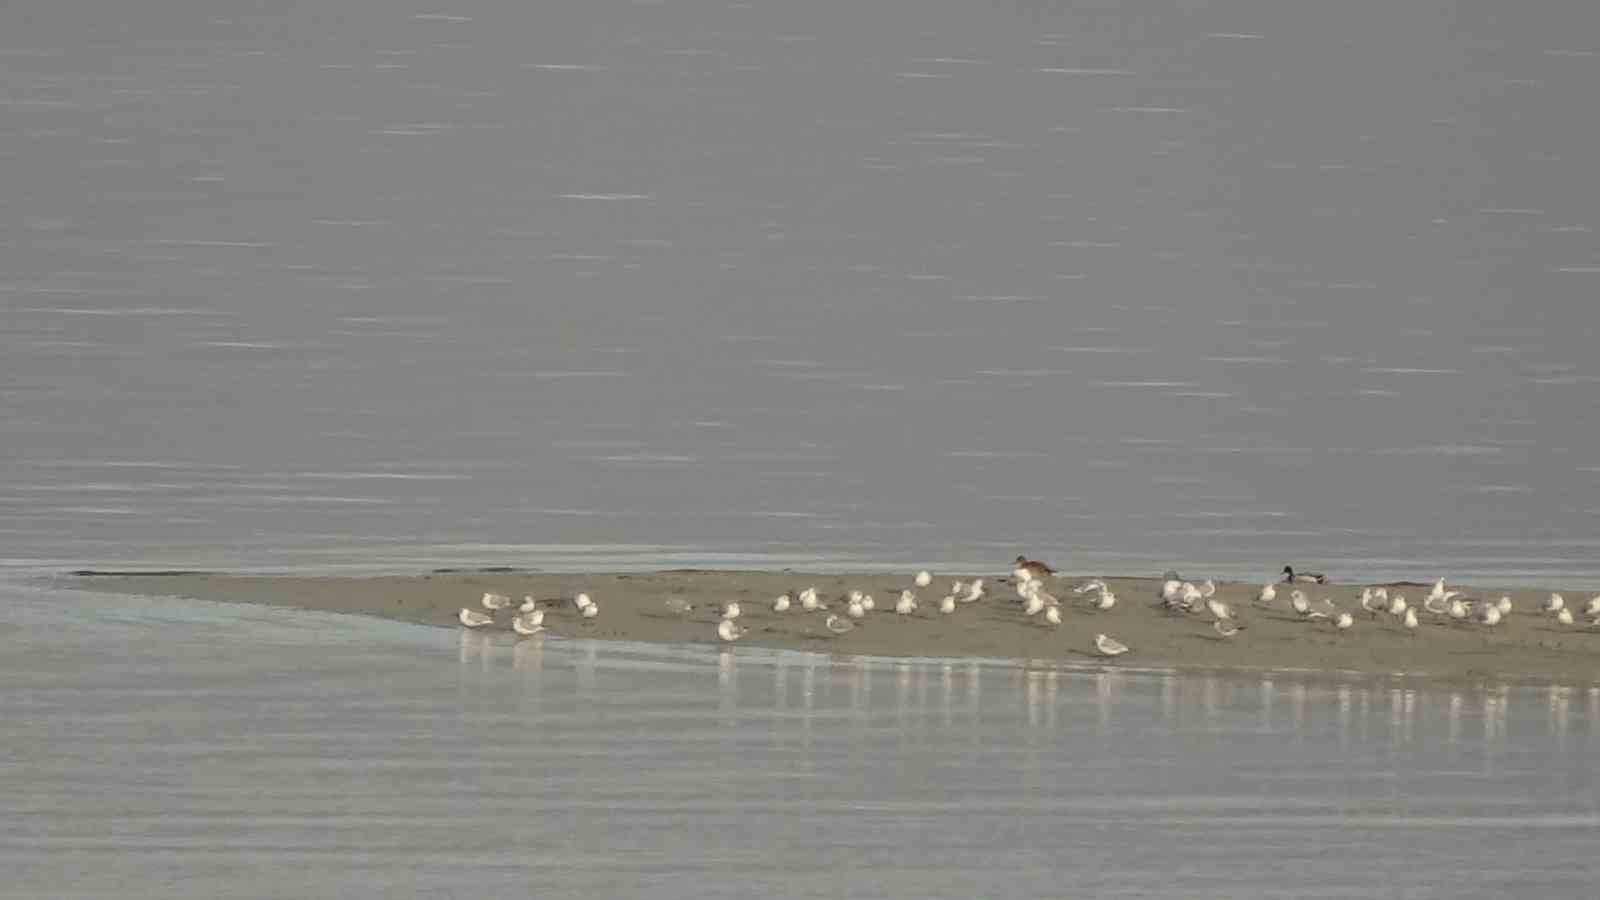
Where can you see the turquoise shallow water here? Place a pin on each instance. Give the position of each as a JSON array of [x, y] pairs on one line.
[[168, 748]]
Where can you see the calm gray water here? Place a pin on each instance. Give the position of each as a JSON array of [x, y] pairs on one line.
[[374, 284], [166, 748]]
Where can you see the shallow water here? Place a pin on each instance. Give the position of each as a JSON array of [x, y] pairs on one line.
[[1219, 285], [170, 748]]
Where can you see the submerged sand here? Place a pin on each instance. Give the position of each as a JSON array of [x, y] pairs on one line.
[[1528, 645]]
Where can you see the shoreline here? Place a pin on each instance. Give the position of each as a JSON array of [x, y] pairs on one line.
[[1528, 646]]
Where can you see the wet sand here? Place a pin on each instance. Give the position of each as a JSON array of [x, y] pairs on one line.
[[1529, 645]]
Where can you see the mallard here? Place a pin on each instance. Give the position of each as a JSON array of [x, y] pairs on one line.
[[1290, 576]]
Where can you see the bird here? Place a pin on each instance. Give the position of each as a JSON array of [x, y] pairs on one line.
[[1489, 614], [924, 578], [1411, 618], [974, 592], [781, 604], [1225, 628], [1564, 616], [1292, 577], [679, 606], [1052, 614], [1458, 610], [731, 611], [1105, 601], [809, 601], [867, 603], [492, 600], [592, 610], [1170, 590], [1370, 603], [854, 609], [1344, 621], [1437, 593], [1207, 588], [957, 589], [1035, 603], [1555, 603], [729, 630], [1504, 604], [1268, 594], [947, 604], [529, 623], [1036, 570], [1398, 605], [1090, 586], [838, 625], [1593, 609], [1220, 611], [1191, 595], [528, 604], [472, 618], [1044, 596], [907, 604], [1109, 646], [582, 601], [1298, 601]]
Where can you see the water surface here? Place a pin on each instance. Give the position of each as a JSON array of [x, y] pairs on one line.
[[1210, 284], [170, 748]]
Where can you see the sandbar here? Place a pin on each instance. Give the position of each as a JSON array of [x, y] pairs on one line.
[[1528, 646]]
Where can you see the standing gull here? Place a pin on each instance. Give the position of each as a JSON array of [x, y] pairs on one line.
[[1109, 646], [924, 578], [492, 600], [730, 631]]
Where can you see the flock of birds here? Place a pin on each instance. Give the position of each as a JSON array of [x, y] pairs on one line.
[[1181, 596], [1039, 606]]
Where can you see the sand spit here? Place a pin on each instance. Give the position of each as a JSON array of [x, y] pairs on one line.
[[1527, 645]]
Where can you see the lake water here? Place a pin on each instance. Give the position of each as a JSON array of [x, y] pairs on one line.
[[169, 748], [376, 286], [380, 285]]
